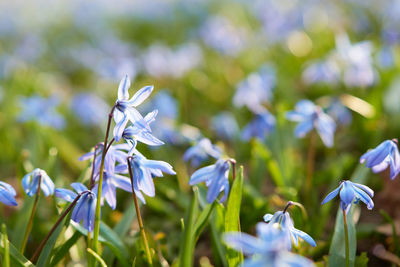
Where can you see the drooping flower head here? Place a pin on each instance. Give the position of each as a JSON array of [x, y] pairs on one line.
[[309, 116], [201, 151], [7, 194], [283, 218], [383, 156], [339, 112], [125, 108], [271, 248], [216, 179], [350, 193], [42, 110], [259, 127], [225, 125], [143, 171], [30, 183], [85, 208]]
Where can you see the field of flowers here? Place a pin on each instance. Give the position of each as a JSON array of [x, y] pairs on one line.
[[199, 133]]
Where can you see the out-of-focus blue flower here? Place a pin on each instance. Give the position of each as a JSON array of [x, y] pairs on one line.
[[385, 57], [271, 248], [339, 112], [165, 103], [220, 34], [326, 71], [351, 193], [259, 127], [225, 125], [90, 109], [356, 60], [201, 151], [7, 194], [311, 116], [383, 156], [141, 133], [126, 108], [255, 89], [110, 185], [216, 179], [42, 110], [160, 60], [144, 170], [283, 218], [30, 183], [85, 207]]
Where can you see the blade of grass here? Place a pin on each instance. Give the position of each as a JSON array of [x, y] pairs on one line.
[[62, 250], [16, 257], [232, 216]]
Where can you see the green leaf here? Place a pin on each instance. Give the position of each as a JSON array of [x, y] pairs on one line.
[[109, 238], [22, 222], [44, 256], [337, 253], [362, 260], [232, 216], [121, 229], [187, 245], [17, 258], [62, 250], [202, 221], [4, 241], [264, 153], [217, 226]]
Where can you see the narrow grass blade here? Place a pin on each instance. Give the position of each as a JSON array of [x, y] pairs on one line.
[[62, 250], [232, 216], [17, 259], [97, 257]]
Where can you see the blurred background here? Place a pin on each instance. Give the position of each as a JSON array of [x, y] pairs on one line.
[[216, 66]]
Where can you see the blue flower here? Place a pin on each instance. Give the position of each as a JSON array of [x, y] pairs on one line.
[[283, 218], [115, 155], [256, 89], [383, 156], [225, 125], [85, 207], [7, 194], [30, 183], [125, 108], [110, 185], [143, 171], [42, 110], [216, 179], [259, 127], [339, 112], [311, 116], [201, 151], [271, 248], [90, 109], [351, 193], [140, 132]]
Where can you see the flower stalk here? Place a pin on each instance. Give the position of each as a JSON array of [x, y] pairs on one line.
[[30, 222], [346, 236], [98, 203], [310, 162], [139, 216]]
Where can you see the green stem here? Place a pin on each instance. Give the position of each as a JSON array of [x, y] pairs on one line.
[[96, 230], [139, 216], [41, 246], [346, 236], [30, 222], [6, 258]]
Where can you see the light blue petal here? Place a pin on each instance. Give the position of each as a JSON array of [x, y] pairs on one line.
[[79, 188], [148, 139], [202, 175], [243, 242], [65, 194], [331, 195], [364, 197], [305, 107], [347, 193], [7, 197], [120, 127], [306, 237], [146, 184], [151, 116], [122, 182], [376, 155], [303, 128], [47, 185], [140, 96], [369, 191], [267, 217], [326, 126], [123, 88], [161, 165]]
